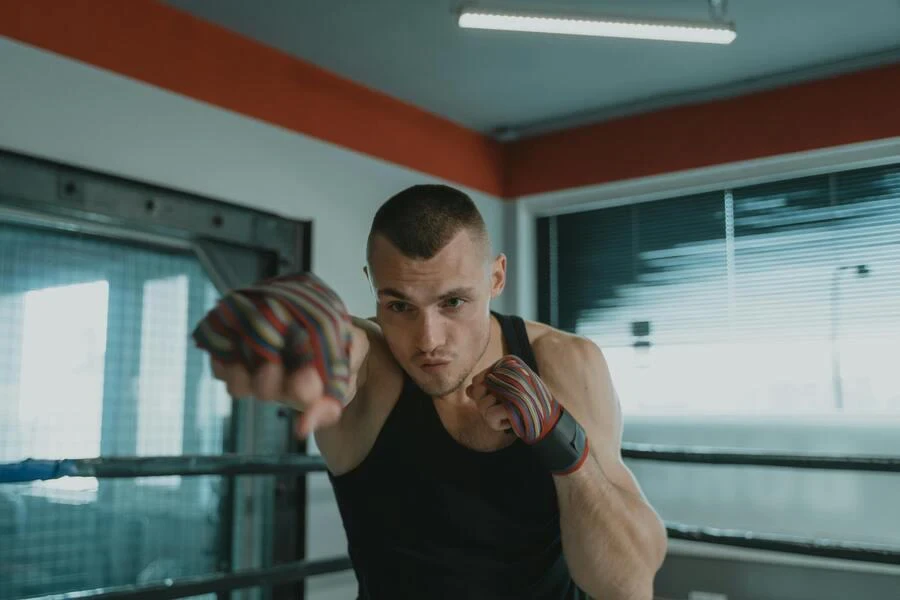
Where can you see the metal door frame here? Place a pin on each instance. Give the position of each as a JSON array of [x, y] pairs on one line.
[[265, 523]]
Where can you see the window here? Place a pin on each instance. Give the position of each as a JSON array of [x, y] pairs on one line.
[[164, 338], [770, 299], [96, 360], [101, 282], [61, 359]]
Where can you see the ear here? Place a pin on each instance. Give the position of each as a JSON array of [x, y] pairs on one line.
[[370, 282], [498, 275]]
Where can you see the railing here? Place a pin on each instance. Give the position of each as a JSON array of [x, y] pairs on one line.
[[211, 584], [230, 465], [759, 458]]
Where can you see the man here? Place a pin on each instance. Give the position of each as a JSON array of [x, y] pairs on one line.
[[472, 454]]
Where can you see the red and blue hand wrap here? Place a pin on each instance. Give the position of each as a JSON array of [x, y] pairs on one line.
[[293, 320], [536, 417]]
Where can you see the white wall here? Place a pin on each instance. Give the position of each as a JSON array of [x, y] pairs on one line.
[[63, 110], [60, 109]]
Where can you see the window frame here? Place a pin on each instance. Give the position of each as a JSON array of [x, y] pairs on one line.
[[57, 196], [525, 214]]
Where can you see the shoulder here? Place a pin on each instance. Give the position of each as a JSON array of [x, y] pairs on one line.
[[377, 356], [576, 372], [560, 351], [380, 376]]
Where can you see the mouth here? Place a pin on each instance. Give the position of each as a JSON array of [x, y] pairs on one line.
[[434, 366]]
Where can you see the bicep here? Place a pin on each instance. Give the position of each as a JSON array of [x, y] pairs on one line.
[[581, 381]]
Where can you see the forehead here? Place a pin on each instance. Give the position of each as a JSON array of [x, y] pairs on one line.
[[461, 262]]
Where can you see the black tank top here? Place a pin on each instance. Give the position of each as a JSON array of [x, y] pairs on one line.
[[427, 518]]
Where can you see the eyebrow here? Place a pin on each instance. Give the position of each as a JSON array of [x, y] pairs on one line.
[[393, 292], [457, 292], [454, 293]]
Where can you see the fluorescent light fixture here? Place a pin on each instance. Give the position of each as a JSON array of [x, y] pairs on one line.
[[674, 31]]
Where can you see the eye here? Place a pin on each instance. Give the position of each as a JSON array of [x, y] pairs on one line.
[[455, 302], [397, 307]]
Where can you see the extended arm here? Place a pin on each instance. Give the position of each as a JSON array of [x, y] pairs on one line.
[[290, 339]]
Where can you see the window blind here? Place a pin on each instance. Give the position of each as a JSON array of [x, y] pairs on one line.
[[788, 290], [661, 262]]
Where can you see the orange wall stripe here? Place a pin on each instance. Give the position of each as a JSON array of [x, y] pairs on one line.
[[848, 109], [165, 47]]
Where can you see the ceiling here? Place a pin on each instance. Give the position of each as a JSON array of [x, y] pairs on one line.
[[494, 81]]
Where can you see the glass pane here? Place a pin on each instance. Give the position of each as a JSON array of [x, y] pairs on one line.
[[96, 360], [772, 299], [51, 425]]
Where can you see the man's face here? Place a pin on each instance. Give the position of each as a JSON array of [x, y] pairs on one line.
[[435, 313]]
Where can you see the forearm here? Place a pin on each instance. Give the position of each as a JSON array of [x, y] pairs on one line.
[[612, 540], [332, 440]]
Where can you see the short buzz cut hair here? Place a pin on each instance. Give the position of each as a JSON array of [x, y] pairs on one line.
[[420, 220]]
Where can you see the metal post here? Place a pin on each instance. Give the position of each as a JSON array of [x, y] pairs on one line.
[[836, 378], [837, 386]]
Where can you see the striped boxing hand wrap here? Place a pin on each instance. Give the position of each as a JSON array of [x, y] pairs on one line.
[[536, 417], [293, 320]]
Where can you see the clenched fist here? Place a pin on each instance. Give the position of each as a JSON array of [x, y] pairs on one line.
[[288, 339], [510, 394]]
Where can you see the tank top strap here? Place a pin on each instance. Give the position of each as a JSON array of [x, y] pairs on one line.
[[516, 335]]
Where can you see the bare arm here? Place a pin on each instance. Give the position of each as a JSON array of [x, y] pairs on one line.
[[290, 340], [613, 540], [341, 432], [339, 442]]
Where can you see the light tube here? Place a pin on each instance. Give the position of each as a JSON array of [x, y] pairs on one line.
[[675, 31]]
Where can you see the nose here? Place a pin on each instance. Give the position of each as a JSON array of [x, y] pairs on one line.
[[429, 332]]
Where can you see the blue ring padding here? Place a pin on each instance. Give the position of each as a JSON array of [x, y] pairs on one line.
[[36, 470]]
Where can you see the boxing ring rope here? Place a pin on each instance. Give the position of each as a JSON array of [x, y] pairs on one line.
[[158, 466], [237, 464], [889, 555], [232, 465], [210, 584], [759, 458]]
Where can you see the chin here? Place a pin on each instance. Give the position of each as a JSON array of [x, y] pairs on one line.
[[439, 386]]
